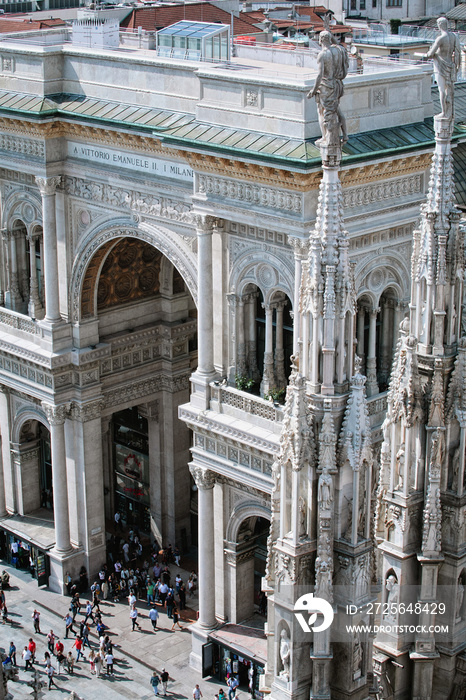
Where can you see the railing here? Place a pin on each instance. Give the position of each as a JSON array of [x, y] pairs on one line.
[[13, 319], [225, 396]]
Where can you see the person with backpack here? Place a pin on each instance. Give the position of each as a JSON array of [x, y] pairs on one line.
[[154, 681]]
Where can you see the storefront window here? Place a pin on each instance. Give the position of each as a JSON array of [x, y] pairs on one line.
[[131, 465]]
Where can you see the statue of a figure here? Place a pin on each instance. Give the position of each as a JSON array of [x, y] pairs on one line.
[[459, 601], [446, 54], [392, 587], [399, 468], [328, 90], [285, 651], [357, 657], [324, 494], [302, 517]]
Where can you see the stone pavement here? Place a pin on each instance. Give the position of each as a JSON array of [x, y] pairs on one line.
[[137, 653]]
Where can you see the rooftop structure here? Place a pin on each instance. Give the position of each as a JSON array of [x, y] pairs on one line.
[[194, 40]]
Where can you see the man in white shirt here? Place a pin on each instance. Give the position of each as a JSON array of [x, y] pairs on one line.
[[197, 695], [154, 616]]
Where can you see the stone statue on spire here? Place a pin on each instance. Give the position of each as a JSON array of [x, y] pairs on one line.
[[446, 55], [328, 89]]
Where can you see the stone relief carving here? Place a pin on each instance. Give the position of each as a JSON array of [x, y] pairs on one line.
[[148, 204], [378, 191], [16, 144], [250, 193]]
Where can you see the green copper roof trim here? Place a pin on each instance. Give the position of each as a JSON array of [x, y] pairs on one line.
[[184, 131]]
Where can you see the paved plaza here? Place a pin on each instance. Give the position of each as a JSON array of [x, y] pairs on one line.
[[137, 653]]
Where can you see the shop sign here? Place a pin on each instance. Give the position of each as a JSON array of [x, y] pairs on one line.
[[132, 464]]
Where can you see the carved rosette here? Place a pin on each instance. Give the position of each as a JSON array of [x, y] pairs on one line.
[[48, 185], [204, 478]]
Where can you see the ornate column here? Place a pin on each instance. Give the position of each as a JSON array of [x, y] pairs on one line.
[[35, 307], [268, 378], [361, 326], [279, 363], [371, 365], [23, 277], [301, 248], [252, 339], [15, 296], [205, 481], [205, 226], [56, 416], [41, 283], [241, 357], [47, 187]]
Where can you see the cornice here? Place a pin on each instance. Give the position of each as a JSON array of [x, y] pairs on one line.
[[228, 167]]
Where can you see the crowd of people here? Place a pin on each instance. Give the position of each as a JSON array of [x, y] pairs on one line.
[[130, 573]]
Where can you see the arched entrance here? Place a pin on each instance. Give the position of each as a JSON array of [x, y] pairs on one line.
[[135, 301], [247, 559]]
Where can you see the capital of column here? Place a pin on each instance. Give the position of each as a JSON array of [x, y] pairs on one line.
[[204, 478], [205, 223], [299, 245], [48, 185], [373, 312], [32, 237], [56, 415]]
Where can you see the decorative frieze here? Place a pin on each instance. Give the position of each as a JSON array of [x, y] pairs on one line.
[[382, 190], [250, 193], [22, 146], [232, 450], [147, 204], [138, 390]]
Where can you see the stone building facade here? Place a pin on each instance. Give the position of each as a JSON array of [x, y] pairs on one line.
[[155, 232]]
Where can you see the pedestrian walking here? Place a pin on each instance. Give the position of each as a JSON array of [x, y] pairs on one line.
[[164, 678], [176, 619], [27, 656], [78, 643], [51, 641], [182, 596], [221, 694], [232, 684], [197, 694], [85, 636], [154, 616], [50, 671], [68, 624], [91, 659], [98, 664], [32, 649], [36, 620], [61, 661], [170, 602], [105, 590], [109, 662], [89, 612], [154, 681], [70, 663], [12, 653], [46, 658], [134, 618]]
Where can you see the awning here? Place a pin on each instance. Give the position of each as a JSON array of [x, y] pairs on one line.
[[37, 528], [244, 641]]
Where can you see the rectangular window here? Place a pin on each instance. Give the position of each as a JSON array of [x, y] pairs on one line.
[[394, 3], [362, 4], [353, 4], [374, 3]]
